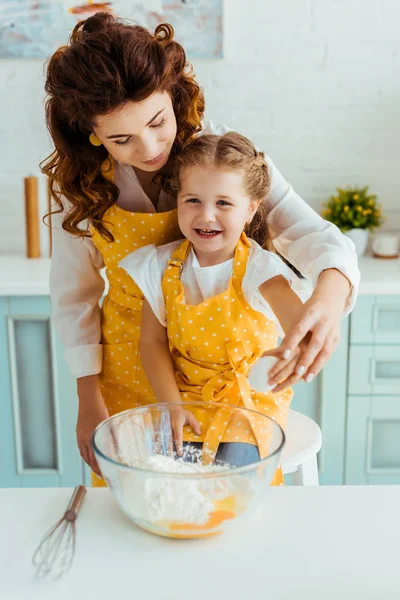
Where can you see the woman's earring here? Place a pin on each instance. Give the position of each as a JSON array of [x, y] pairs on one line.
[[94, 140]]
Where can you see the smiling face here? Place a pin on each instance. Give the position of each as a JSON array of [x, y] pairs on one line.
[[140, 134], [213, 209]]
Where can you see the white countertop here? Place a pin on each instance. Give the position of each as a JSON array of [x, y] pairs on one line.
[[30, 277], [22, 276], [306, 543], [379, 276]]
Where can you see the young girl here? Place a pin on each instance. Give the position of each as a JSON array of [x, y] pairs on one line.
[[214, 300]]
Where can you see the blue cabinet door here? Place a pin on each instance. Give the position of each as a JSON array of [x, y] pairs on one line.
[[374, 369], [38, 411], [8, 472], [373, 440], [373, 413], [324, 400], [376, 320]]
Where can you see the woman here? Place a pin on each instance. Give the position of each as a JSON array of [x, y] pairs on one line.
[[121, 104]]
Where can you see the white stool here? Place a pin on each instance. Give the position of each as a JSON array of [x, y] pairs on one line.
[[299, 455]]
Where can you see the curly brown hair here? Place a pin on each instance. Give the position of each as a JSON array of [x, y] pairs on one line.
[[230, 151], [106, 64]]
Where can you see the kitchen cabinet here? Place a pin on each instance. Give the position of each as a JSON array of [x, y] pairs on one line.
[[373, 403], [38, 405]]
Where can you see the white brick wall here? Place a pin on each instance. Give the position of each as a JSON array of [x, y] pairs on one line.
[[315, 83]]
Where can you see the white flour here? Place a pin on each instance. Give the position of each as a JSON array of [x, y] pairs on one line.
[[174, 499]]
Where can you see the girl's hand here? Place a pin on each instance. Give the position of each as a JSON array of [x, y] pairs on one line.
[[92, 411], [179, 418], [316, 333]]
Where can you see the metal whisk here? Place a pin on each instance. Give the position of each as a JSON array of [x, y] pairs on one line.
[[55, 552]]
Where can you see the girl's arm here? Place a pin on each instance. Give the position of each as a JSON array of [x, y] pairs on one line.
[[159, 368], [156, 357], [287, 306], [284, 302]]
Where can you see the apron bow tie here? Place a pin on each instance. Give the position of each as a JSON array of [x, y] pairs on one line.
[[220, 384]]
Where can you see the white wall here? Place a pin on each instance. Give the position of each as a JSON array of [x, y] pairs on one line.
[[315, 83]]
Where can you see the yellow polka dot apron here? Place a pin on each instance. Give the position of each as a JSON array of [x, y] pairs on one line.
[[123, 382], [213, 345]]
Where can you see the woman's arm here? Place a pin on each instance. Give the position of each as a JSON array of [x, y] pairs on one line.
[[323, 254], [76, 286], [303, 237], [159, 368], [320, 319], [91, 411], [308, 327]]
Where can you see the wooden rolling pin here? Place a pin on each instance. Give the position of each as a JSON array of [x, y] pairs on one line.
[[32, 217]]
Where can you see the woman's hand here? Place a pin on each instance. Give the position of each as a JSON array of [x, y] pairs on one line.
[[289, 365], [315, 336], [92, 411], [179, 418]]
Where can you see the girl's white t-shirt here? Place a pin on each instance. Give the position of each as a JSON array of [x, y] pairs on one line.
[[298, 233], [147, 266]]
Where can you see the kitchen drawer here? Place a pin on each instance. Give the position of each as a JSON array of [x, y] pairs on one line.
[[373, 440], [374, 370], [376, 320], [27, 306]]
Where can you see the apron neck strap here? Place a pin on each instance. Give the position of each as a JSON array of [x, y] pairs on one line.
[[242, 253], [177, 260]]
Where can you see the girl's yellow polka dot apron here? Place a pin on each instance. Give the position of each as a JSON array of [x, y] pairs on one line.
[[123, 382], [213, 345]]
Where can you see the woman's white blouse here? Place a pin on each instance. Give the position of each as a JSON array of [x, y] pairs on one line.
[[148, 264], [298, 233]]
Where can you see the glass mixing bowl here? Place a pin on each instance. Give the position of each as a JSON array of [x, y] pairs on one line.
[[176, 496]]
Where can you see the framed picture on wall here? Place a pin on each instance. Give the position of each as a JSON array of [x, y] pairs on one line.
[[35, 29]]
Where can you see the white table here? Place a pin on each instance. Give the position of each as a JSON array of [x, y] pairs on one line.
[[325, 543]]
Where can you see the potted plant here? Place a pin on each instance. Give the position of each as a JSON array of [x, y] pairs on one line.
[[355, 211]]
